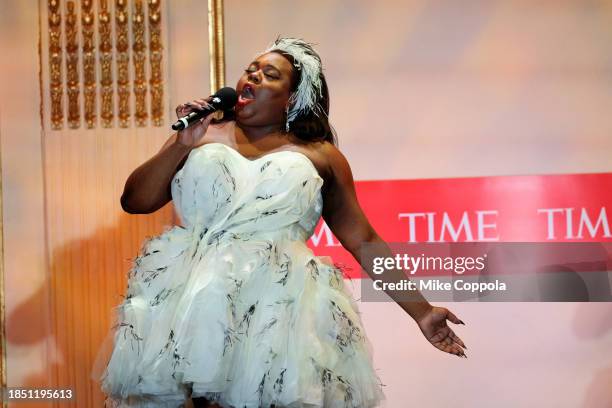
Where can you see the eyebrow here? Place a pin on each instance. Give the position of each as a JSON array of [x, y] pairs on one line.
[[269, 65]]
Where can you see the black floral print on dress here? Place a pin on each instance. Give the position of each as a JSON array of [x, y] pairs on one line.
[[348, 332]]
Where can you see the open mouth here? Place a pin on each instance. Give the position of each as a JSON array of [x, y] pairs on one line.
[[247, 92], [246, 96]]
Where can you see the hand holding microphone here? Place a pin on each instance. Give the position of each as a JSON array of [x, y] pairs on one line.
[[194, 117]]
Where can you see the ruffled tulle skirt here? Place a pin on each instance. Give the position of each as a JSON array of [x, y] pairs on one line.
[[245, 321]]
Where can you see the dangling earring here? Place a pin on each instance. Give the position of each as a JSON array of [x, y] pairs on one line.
[[287, 119]]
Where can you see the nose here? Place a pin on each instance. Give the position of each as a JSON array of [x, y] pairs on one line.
[[254, 77]]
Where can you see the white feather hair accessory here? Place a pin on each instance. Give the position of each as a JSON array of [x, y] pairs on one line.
[[309, 89]]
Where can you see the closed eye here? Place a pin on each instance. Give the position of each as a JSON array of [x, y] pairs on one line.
[[267, 73]]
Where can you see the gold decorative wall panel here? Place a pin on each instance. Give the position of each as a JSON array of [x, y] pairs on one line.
[[72, 66], [122, 48], [89, 63], [106, 65], [139, 51], [56, 88], [111, 52], [156, 85]]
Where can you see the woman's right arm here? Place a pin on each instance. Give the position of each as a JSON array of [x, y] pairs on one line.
[[148, 188]]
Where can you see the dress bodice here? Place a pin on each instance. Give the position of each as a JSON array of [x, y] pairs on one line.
[[218, 187]]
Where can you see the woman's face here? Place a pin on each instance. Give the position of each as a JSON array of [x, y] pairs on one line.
[[263, 91]]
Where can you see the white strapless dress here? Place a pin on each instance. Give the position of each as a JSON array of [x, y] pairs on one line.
[[233, 306]]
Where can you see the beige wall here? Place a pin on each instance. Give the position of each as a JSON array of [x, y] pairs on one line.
[[425, 89], [22, 182], [485, 88]]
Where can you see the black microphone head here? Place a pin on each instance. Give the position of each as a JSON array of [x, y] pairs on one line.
[[227, 98]]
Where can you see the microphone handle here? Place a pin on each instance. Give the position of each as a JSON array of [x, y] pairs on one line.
[[193, 117]]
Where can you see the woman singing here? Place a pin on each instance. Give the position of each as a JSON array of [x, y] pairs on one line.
[[231, 308]]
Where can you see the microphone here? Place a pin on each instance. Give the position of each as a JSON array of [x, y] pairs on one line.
[[224, 99]]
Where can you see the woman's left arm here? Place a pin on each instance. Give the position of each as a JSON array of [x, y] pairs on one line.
[[344, 216]]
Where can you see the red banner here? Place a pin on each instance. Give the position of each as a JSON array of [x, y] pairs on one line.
[[553, 208]]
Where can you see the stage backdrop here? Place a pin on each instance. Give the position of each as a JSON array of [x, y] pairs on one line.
[[422, 93], [553, 208]]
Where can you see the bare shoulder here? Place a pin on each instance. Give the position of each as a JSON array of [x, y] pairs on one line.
[[333, 154], [336, 165]]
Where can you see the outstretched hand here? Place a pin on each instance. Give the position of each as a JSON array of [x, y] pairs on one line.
[[436, 331]]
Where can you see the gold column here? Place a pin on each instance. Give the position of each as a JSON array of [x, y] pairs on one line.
[[156, 80], [122, 47], [89, 63], [139, 49], [216, 45], [72, 65], [56, 88], [106, 65]]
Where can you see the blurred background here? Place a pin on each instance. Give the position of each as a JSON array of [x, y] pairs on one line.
[[419, 90]]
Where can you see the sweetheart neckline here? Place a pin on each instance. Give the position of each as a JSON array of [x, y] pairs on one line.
[[254, 160]]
